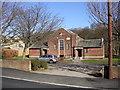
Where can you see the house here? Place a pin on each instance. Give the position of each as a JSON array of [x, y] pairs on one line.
[[63, 43], [15, 44]]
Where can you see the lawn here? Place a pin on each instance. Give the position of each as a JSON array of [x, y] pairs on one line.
[[18, 58], [115, 60]]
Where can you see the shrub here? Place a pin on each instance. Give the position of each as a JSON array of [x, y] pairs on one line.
[[9, 53], [3, 55], [38, 64]]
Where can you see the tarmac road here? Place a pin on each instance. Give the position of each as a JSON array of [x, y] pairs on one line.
[[56, 80], [14, 83]]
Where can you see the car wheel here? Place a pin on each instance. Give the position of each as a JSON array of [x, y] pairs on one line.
[[51, 61]]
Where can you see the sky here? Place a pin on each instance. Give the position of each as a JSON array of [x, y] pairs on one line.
[[74, 13]]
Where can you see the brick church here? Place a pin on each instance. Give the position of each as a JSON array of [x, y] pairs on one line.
[[64, 43]]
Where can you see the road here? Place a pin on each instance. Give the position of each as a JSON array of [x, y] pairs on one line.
[[14, 83], [17, 78]]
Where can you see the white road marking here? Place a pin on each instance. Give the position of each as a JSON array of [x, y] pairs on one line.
[[47, 82]]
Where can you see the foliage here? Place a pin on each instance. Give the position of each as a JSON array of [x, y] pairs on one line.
[[9, 53], [115, 60], [38, 64], [3, 55]]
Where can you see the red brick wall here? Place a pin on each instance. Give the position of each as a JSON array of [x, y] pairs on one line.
[[53, 40], [93, 52], [34, 52], [17, 64]]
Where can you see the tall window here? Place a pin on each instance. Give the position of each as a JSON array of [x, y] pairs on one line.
[[67, 46], [61, 44]]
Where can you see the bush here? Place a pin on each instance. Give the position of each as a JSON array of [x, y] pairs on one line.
[[9, 53], [38, 64]]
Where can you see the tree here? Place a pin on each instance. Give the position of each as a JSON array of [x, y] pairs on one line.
[[98, 12], [9, 11], [33, 24]]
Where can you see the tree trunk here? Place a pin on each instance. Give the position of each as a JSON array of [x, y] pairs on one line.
[[24, 53]]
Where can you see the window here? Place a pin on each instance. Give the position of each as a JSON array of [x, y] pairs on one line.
[[54, 46], [67, 46], [61, 44]]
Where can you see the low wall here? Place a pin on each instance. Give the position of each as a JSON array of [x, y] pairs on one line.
[[115, 72], [16, 64]]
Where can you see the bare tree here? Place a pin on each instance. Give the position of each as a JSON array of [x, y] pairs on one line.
[[98, 12], [9, 11], [33, 22]]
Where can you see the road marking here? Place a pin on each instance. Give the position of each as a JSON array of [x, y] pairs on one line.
[[47, 82]]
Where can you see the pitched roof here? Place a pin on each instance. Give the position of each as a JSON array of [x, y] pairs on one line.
[[91, 43], [39, 45]]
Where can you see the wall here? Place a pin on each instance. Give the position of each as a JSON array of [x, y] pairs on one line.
[[53, 40], [115, 71], [34, 52], [16, 64], [94, 53]]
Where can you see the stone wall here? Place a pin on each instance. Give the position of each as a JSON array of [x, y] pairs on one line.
[[16, 64]]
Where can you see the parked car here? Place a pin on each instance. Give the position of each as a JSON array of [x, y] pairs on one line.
[[48, 58]]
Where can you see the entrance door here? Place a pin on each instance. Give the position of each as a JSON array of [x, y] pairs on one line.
[[44, 51], [79, 52]]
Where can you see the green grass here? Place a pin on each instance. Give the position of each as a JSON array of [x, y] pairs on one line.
[[115, 60], [66, 61], [17, 58]]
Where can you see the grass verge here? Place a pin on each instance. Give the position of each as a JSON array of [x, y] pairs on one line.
[[18, 58], [115, 60]]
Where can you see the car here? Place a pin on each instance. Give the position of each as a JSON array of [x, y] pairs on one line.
[[48, 58]]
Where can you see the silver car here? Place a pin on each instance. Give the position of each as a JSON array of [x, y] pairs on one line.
[[48, 58]]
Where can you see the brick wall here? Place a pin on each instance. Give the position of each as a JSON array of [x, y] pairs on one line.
[[93, 53], [16, 64], [54, 40], [34, 52]]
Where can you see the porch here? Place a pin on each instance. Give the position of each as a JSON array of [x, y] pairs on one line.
[[78, 50]]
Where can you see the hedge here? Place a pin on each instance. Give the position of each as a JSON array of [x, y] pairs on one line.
[[9, 53], [38, 64]]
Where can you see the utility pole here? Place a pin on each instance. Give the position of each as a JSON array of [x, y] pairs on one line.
[[110, 38]]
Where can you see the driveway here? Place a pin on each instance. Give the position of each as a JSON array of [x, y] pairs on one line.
[[86, 68]]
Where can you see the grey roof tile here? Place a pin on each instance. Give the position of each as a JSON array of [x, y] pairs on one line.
[[90, 43], [39, 45]]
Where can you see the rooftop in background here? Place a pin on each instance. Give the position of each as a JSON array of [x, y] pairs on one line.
[[39, 45], [91, 43]]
